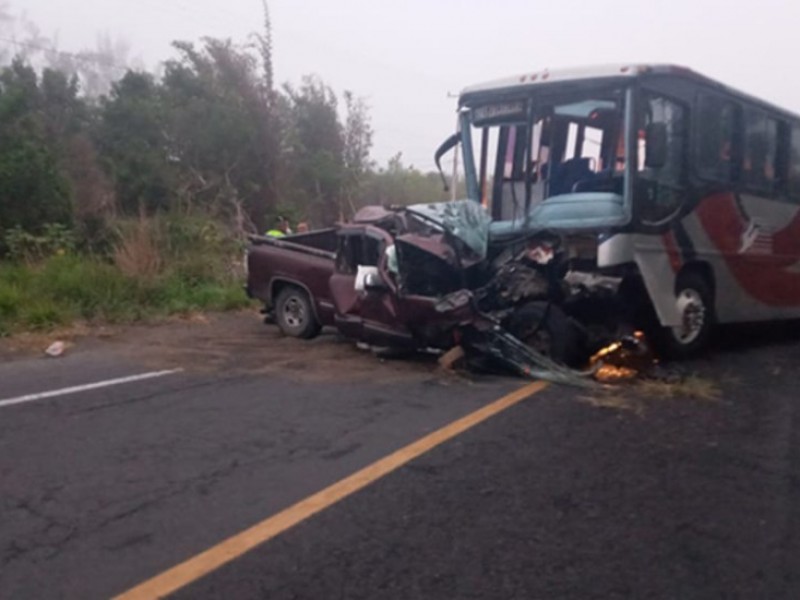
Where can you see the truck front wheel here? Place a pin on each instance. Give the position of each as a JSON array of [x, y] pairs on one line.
[[294, 313]]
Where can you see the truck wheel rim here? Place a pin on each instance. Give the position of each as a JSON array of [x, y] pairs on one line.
[[294, 313], [693, 316]]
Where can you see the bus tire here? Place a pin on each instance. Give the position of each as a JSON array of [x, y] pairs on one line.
[[294, 313], [696, 304]]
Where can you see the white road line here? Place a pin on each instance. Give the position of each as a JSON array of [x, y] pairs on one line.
[[83, 388]]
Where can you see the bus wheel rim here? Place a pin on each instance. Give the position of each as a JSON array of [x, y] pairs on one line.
[[692, 310]]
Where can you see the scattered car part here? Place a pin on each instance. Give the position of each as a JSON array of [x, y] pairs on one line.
[[495, 342], [56, 349], [545, 328]]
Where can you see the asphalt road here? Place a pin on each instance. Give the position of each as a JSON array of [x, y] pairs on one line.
[[626, 495]]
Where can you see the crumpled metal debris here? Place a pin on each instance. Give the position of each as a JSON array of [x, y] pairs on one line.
[[503, 347]]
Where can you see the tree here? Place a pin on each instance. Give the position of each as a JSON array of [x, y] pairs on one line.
[[401, 185], [95, 69], [78, 145], [357, 145], [315, 151], [33, 190], [69, 124], [234, 157], [132, 139], [263, 43]]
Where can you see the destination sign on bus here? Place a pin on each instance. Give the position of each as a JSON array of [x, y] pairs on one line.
[[501, 111]]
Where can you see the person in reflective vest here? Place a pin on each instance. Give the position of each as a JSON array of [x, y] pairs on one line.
[[281, 228]]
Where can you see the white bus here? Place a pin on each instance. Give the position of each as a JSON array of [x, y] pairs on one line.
[[685, 190]]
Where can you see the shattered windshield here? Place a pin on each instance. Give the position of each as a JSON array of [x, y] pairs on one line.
[[465, 219], [532, 149]]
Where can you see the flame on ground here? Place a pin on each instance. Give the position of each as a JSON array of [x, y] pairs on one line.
[[616, 362], [610, 373]]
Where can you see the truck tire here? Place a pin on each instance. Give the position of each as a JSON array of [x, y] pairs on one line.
[[549, 331], [696, 303], [294, 313]]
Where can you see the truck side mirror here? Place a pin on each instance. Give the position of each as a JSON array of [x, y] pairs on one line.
[[373, 282], [368, 279], [655, 145]]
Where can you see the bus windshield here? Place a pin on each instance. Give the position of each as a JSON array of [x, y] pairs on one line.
[[521, 152]]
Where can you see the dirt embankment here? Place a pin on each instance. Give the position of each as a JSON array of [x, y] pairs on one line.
[[225, 342]]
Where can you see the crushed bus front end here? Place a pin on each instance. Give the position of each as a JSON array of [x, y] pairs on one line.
[[581, 172]]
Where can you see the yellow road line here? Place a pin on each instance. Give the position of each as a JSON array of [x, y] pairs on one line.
[[204, 563]]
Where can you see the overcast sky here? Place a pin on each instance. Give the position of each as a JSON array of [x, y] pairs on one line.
[[406, 57]]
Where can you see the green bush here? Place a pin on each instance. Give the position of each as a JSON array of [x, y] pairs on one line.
[[89, 288], [43, 314], [65, 288], [10, 303], [55, 240]]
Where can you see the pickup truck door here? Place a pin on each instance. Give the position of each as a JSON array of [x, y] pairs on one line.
[[369, 315]]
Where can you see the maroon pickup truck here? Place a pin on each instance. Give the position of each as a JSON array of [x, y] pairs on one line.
[[422, 277], [312, 280]]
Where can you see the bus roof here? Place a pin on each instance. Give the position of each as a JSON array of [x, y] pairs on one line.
[[600, 73]]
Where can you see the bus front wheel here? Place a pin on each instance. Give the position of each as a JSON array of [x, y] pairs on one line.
[[695, 302]]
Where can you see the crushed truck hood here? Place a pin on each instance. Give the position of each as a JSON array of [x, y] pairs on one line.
[[466, 220]]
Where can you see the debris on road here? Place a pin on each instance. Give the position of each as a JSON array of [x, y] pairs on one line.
[[452, 358], [56, 349]]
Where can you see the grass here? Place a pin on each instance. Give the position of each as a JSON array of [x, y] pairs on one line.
[[65, 289]]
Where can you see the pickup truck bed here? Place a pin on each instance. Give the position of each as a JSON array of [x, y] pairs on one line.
[[304, 260]]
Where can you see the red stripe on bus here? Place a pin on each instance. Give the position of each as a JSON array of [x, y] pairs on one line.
[[763, 274], [673, 252]]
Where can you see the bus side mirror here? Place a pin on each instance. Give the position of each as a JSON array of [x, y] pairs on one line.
[[655, 145], [446, 146]]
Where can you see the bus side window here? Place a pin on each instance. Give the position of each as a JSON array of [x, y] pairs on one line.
[[760, 151], [716, 139], [793, 179], [671, 115], [665, 182]]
